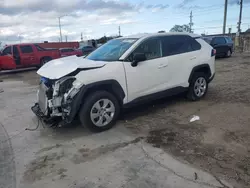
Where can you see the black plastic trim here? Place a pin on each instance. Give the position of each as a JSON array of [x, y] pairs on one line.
[[211, 78], [195, 69], [155, 96], [77, 101]]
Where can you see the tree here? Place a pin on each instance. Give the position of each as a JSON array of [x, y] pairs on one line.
[[180, 28]]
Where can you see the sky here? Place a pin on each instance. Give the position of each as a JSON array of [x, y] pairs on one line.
[[37, 20]]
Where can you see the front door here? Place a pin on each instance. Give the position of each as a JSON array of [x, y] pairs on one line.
[[148, 76], [28, 56]]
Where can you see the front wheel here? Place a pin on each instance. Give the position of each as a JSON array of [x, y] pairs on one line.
[[44, 60], [198, 87], [99, 111]]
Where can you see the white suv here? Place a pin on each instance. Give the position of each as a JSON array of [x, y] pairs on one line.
[[120, 73]]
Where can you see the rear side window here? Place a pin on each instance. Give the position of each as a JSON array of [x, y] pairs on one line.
[[173, 45], [63, 50], [26, 49], [66, 50], [219, 40], [39, 48]]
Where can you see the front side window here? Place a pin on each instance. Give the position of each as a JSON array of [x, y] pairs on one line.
[[112, 50], [7, 51], [26, 49], [151, 48]]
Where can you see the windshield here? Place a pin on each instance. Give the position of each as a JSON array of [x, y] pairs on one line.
[[112, 50]]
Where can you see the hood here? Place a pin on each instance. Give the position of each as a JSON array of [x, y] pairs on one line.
[[58, 68]]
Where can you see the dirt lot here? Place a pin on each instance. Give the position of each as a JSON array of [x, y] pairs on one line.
[[218, 143]]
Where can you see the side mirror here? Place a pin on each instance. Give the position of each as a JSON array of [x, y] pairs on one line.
[[138, 57]]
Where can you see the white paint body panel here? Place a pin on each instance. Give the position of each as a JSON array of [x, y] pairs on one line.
[[146, 78], [58, 68]]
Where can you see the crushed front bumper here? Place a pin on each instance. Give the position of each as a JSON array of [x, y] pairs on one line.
[[46, 119]]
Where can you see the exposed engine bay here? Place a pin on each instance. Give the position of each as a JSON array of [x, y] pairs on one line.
[[55, 97]]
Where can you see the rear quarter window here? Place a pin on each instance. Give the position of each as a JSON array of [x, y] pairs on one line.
[[26, 49]]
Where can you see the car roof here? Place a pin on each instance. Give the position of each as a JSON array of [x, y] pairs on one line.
[[211, 37], [146, 35]]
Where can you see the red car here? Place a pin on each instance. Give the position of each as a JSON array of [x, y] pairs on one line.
[[26, 55], [70, 51]]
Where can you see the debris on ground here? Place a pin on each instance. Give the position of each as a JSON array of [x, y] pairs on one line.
[[195, 118]]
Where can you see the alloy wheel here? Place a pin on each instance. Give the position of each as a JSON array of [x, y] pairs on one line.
[[200, 86], [102, 112]]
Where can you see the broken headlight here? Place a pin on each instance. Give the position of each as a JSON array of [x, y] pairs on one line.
[[66, 85]]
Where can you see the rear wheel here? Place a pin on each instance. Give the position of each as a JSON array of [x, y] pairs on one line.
[[198, 87], [229, 53], [44, 60], [99, 111]]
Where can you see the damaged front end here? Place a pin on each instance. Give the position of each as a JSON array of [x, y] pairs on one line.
[[57, 100]]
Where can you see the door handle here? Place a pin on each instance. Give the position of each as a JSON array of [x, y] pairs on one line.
[[162, 66], [193, 58]]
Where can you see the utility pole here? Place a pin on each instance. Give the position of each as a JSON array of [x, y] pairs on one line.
[[119, 31], [225, 17], [60, 28], [191, 22], [81, 37], [240, 17], [66, 38]]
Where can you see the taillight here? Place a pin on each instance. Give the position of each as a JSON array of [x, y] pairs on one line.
[[213, 53]]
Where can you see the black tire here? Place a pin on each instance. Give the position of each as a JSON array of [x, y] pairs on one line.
[[229, 53], [45, 60], [192, 95], [85, 111]]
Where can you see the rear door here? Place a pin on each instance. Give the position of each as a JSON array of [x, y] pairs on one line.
[[182, 54], [27, 55], [220, 44]]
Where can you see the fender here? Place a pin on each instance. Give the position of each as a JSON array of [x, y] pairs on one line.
[[197, 68], [78, 100]]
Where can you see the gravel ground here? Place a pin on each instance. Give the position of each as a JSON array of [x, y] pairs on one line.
[[218, 143]]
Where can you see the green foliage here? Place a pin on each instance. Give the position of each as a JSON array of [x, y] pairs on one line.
[[180, 28]]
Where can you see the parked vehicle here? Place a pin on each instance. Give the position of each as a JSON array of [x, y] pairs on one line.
[[87, 49], [224, 45], [121, 73], [70, 51], [26, 55]]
